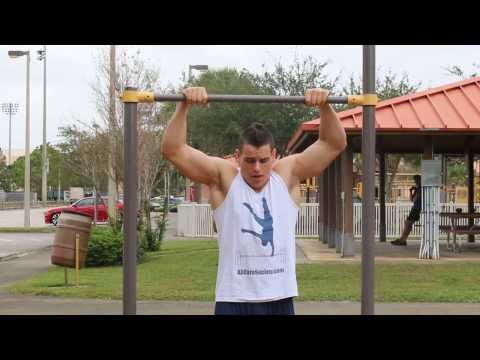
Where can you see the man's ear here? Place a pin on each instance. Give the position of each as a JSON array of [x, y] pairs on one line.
[[237, 154], [274, 153]]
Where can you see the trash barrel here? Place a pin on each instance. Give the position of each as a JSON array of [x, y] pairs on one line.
[[69, 226]]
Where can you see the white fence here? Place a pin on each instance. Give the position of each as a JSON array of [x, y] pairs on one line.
[[195, 220]]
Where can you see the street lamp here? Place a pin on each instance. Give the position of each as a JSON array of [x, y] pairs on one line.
[[42, 55], [9, 109], [195, 67], [187, 180], [26, 198]]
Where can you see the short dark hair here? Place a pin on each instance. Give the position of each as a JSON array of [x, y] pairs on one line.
[[417, 179], [256, 135]]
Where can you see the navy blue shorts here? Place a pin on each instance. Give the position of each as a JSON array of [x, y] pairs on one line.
[[277, 307], [414, 215]]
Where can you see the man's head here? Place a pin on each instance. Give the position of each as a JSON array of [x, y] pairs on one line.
[[256, 155], [417, 179]]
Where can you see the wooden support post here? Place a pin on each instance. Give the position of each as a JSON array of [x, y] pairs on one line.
[[325, 205], [428, 147], [321, 206], [338, 206], [347, 188], [331, 206], [470, 185], [381, 198]]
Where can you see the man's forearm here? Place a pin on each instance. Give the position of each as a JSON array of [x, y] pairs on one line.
[[331, 129], [175, 135]]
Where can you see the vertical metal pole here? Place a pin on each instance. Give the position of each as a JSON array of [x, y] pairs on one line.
[[368, 209], [44, 149], [10, 136], [130, 209], [26, 197]]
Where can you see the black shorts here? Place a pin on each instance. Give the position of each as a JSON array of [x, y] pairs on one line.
[[278, 307], [414, 215]]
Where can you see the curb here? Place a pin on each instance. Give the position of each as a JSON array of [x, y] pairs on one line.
[[22, 254], [13, 256]]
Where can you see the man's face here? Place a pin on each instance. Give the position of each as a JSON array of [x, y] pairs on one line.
[[256, 164]]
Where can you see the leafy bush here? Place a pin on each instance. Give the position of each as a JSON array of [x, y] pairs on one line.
[[153, 239], [105, 247]]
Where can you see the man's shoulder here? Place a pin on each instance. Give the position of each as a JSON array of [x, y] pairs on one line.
[[227, 171], [226, 167]]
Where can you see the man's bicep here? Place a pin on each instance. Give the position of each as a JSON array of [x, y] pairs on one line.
[[196, 165], [313, 160]]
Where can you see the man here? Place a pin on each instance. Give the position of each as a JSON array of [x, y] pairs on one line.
[[255, 207], [416, 197]]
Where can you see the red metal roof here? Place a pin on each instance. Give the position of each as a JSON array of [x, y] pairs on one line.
[[449, 108]]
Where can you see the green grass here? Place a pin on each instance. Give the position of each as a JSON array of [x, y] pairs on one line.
[[43, 229], [186, 270]]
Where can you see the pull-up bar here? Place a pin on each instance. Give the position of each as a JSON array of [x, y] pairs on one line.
[[131, 97]]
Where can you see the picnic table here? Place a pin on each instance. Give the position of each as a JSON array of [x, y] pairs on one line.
[[459, 229]]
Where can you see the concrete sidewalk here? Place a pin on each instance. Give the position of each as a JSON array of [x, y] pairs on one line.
[[28, 305], [317, 252]]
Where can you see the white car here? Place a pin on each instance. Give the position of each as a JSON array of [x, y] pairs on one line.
[[156, 203]]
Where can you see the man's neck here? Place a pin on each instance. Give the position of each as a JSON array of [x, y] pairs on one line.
[[257, 191]]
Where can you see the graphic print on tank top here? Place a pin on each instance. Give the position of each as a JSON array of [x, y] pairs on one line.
[[252, 257], [266, 223]]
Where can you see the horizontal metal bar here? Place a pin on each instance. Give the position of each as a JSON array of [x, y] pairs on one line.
[[252, 98]]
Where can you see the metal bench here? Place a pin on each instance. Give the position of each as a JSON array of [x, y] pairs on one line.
[[456, 229]]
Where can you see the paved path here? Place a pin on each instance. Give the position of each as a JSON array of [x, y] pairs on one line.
[[15, 218], [26, 266]]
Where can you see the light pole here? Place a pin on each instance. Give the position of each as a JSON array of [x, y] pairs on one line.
[[195, 67], [9, 109], [26, 198], [187, 180], [42, 55]]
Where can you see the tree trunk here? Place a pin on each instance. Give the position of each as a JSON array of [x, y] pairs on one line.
[[392, 178], [146, 208]]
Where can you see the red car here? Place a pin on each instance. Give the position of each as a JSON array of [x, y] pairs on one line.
[[82, 206]]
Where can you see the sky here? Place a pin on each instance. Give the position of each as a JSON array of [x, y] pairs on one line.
[[71, 72]]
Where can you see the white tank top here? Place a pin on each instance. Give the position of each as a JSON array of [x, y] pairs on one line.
[[256, 238]]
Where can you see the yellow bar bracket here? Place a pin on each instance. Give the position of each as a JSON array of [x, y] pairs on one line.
[[362, 100], [130, 96]]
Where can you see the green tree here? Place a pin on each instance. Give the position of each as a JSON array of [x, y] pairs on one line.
[[88, 143], [215, 130], [292, 80], [459, 72], [387, 87], [57, 168], [457, 172], [3, 158], [85, 154], [5, 174]]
